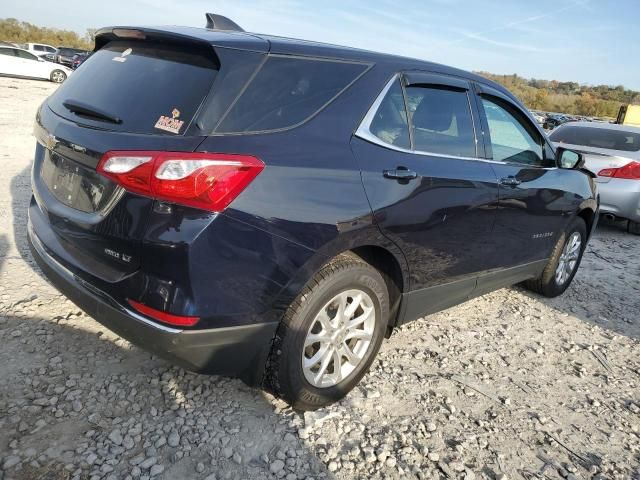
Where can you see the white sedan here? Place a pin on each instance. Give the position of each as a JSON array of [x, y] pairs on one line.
[[19, 62]]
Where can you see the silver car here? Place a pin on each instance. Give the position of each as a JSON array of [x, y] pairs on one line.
[[612, 152]]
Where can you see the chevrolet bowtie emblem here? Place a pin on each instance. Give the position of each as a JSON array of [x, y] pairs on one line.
[[52, 141]]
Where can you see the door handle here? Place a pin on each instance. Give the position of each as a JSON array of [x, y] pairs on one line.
[[510, 181], [400, 173]]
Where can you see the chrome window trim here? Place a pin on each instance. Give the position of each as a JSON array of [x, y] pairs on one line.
[[363, 131]]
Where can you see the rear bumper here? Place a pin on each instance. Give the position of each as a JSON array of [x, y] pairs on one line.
[[620, 197], [238, 351]]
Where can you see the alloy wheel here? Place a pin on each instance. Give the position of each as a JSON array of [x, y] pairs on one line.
[[568, 258], [338, 338]]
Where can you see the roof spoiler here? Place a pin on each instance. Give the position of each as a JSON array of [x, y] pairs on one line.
[[218, 22]]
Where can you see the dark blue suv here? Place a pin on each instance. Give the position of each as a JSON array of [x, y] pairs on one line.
[[272, 208]]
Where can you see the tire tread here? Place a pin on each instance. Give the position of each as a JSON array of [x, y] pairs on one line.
[[543, 284], [271, 381]]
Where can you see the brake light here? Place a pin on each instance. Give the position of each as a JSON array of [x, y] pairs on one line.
[[210, 181], [129, 33], [177, 320], [630, 171]]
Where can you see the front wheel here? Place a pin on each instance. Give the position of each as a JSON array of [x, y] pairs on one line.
[[563, 263], [329, 335], [633, 227], [58, 76]]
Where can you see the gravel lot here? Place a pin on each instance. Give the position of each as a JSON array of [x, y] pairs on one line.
[[507, 386]]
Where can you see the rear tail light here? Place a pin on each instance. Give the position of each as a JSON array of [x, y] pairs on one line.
[[630, 171], [210, 181], [171, 319]]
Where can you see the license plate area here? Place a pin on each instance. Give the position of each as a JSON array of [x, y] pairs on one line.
[[75, 185]]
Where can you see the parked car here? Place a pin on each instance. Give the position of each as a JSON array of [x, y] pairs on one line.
[[555, 120], [249, 231], [19, 62], [64, 56], [538, 117], [612, 152], [40, 49], [78, 59]]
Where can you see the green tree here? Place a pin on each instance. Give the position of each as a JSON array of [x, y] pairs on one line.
[[567, 97], [13, 30]]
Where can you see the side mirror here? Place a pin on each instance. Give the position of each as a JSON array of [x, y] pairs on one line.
[[569, 159]]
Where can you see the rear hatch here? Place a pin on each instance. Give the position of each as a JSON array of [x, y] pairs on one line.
[[141, 93]]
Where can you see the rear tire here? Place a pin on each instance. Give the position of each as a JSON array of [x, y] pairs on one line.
[[58, 76], [633, 227], [563, 263], [314, 328]]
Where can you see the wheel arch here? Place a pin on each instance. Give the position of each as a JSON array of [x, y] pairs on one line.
[[383, 255], [589, 216], [386, 263]]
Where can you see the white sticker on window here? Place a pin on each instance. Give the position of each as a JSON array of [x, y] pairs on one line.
[[123, 56]]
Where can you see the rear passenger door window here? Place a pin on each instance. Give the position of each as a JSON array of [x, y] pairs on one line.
[[512, 140], [25, 55], [441, 120]]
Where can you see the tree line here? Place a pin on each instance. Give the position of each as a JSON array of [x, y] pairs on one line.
[[15, 31], [567, 97]]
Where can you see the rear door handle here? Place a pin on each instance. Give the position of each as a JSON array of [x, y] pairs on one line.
[[400, 173], [510, 181]]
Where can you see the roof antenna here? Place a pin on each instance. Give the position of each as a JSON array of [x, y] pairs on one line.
[[218, 22]]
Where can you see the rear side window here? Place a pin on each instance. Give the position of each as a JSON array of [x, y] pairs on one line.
[[151, 88], [390, 121], [597, 137], [286, 91], [25, 55], [441, 121]]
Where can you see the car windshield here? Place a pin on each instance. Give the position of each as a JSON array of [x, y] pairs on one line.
[[598, 138]]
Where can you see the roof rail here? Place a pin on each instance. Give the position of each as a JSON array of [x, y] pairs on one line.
[[218, 22]]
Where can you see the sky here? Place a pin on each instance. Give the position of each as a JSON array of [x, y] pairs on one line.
[[587, 41]]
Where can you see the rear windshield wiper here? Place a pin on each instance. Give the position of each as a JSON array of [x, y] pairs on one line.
[[81, 108]]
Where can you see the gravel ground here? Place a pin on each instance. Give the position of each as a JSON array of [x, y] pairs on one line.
[[507, 386]]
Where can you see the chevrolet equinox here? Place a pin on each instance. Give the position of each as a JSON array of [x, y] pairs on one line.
[[272, 208]]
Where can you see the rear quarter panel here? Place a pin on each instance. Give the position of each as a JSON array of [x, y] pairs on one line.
[[310, 192]]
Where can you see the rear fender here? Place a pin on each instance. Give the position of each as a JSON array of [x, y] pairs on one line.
[[369, 236]]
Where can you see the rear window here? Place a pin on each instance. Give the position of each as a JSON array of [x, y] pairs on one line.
[[597, 138], [151, 88], [286, 91]]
